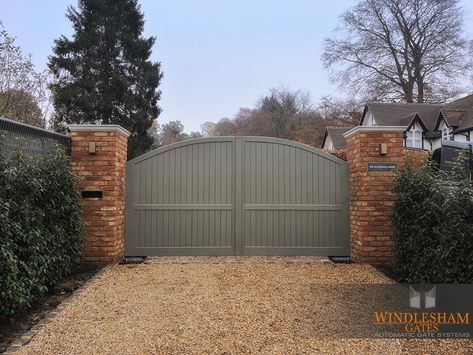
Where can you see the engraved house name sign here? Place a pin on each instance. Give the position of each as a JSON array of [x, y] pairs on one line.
[[381, 166]]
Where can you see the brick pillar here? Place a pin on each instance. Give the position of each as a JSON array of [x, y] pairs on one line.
[[98, 156], [371, 199]]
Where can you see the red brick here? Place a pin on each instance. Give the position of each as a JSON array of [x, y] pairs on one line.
[[371, 199], [105, 171]]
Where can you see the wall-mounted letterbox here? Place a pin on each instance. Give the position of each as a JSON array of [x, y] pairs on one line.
[[92, 194]]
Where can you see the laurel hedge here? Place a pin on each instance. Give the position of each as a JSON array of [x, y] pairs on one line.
[[40, 227], [433, 224]]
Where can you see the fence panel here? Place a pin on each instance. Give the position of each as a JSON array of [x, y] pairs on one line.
[[35, 140]]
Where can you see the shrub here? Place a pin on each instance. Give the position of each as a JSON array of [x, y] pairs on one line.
[[40, 227], [433, 225], [339, 153]]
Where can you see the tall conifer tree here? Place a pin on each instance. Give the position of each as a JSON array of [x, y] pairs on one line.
[[104, 74]]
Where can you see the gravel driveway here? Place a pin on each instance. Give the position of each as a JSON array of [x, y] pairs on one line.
[[224, 305]]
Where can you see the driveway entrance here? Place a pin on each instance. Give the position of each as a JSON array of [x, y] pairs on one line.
[[231, 305]]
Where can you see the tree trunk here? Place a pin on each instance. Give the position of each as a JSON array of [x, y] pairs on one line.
[[408, 92], [420, 91]]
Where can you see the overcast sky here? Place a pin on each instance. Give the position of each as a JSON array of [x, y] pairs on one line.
[[217, 56]]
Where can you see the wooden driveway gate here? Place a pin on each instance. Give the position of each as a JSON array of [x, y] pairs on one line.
[[237, 196]]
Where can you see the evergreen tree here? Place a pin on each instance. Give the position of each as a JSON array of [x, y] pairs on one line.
[[104, 74]]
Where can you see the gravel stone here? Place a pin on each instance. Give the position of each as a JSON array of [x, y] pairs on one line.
[[175, 305]]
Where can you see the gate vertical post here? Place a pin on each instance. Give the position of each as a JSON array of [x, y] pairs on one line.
[[98, 159]]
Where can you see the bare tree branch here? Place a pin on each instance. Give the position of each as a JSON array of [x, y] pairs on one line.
[[401, 50], [24, 94]]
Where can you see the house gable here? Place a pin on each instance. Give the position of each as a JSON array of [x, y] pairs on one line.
[[417, 123], [446, 132], [327, 142], [454, 118], [367, 119], [414, 135], [333, 138]]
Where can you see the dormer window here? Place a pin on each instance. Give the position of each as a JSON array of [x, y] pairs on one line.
[[414, 137], [447, 133], [444, 129]]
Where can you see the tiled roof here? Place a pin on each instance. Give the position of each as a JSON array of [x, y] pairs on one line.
[[399, 114], [458, 114], [454, 118], [465, 104], [336, 135]]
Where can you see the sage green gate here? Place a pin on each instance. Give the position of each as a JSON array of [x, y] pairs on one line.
[[237, 196]]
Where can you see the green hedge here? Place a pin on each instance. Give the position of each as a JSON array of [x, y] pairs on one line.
[[40, 227], [433, 225]]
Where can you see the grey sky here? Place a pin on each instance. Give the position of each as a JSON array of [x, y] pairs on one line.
[[217, 56]]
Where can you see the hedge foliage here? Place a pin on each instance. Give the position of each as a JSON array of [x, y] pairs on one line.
[[40, 227], [433, 225]]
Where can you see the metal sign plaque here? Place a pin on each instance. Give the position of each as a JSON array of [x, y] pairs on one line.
[[448, 157], [381, 166]]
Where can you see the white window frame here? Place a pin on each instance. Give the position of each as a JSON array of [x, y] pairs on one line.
[[414, 137], [447, 133]]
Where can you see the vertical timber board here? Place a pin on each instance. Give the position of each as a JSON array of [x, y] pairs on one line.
[[174, 203], [237, 195], [238, 192], [344, 230], [129, 220], [303, 222], [132, 193]]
